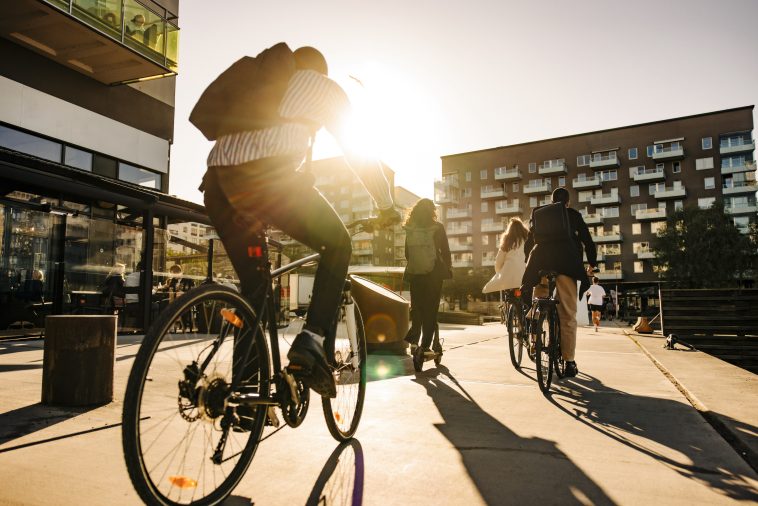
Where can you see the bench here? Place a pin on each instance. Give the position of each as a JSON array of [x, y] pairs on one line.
[[720, 322]]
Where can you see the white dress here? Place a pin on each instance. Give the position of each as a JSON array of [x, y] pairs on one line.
[[509, 269]]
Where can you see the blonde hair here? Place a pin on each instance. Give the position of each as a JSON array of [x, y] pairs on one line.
[[514, 236]]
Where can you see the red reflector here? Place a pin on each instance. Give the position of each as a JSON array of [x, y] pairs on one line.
[[517, 292], [254, 251]]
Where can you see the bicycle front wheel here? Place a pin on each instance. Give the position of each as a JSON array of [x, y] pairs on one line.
[[348, 363], [515, 330], [544, 338], [182, 441]]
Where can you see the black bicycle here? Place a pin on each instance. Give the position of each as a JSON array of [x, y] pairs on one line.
[[199, 394], [514, 316], [545, 328]]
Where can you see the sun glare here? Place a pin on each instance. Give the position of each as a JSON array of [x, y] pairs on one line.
[[396, 121]]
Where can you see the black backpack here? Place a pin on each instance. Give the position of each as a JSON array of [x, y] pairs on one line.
[[551, 223], [246, 96]]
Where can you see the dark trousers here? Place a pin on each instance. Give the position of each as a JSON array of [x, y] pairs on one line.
[[238, 199], [425, 298]]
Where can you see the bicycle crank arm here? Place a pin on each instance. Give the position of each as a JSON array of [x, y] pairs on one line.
[[251, 399]]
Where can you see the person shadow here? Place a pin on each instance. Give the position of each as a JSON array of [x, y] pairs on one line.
[[644, 423], [508, 469]]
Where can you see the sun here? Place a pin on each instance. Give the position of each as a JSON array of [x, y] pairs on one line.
[[395, 120]]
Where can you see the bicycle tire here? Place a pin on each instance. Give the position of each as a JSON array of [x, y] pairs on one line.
[[543, 345], [156, 433], [343, 413], [515, 329], [559, 365]]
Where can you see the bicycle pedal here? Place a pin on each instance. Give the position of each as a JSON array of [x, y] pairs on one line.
[[271, 418]]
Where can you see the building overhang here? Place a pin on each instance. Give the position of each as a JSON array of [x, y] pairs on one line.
[[71, 42]]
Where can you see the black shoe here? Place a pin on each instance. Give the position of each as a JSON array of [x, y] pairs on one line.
[[308, 362], [413, 342], [571, 370]]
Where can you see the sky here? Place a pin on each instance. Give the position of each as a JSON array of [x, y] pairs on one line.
[[445, 76]]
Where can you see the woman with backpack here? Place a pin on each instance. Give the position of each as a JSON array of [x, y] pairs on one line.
[[428, 254]]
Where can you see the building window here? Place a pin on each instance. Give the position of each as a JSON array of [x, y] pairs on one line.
[[583, 160], [742, 223], [585, 196], [609, 175], [104, 166], [636, 228], [484, 207], [516, 187], [634, 190], [706, 142], [562, 181], [704, 163], [468, 176], [78, 158], [30, 144], [609, 212], [638, 267], [142, 177], [637, 207], [466, 192], [677, 168], [657, 226], [632, 153], [532, 201], [709, 183], [485, 240], [705, 202], [659, 166], [532, 167], [650, 151], [483, 174], [678, 205]]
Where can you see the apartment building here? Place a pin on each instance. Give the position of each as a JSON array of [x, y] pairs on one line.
[[86, 125], [344, 191], [623, 180]]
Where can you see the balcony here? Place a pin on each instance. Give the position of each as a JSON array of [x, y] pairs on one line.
[[455, 213], [491, 193], [535, 186], [607, 236], [90, 38], [593, 219], [650, 214], [605, 199], [553, 167], [644, 175], [586, 182], [458, 230], [496, 226], [645, 254], [599, 257], [505, 207], [463, 263], [461, 247], [676, 192], [615, 274], [604, 160], [447, 191], [736, 145], [488, 262], [363, 251], [742, 209], [503, 174], [736, 187], [673, 152], [363, 236], [747, 166]]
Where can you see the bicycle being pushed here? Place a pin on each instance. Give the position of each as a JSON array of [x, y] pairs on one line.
[[208, 378]]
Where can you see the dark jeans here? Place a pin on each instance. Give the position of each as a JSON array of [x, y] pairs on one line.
[[238, 199], [425, 297]]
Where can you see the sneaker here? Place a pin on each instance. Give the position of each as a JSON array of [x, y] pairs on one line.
[[308, 362], [412, 342], [571, 370]]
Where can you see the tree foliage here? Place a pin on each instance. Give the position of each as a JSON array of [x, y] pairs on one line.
[[702, 248]]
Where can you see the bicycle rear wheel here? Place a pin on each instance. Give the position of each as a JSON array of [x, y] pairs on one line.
[[176, 416], [559, 365], [545, 336], [515, 330], [343, 413]]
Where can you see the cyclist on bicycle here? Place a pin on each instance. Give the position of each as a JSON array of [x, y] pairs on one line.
[[252, 179], [556, 236]]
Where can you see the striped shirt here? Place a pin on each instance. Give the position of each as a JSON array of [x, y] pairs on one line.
[[311, 101]]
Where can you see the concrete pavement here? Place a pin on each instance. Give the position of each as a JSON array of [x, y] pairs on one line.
[[473, 431]]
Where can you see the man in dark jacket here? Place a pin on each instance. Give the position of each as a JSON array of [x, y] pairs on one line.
[[555, 243]]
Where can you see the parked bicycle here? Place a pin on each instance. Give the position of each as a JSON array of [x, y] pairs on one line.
[[197, 399], [545, 328]]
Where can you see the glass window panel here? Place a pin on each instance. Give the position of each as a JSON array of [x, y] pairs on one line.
[[142, 177], [144, 30], [104, 166], [78, 158], [30, 144]]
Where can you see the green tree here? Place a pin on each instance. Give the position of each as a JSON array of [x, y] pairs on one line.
[[702, 248]]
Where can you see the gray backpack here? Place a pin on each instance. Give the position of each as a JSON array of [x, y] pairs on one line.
[[421, 249]]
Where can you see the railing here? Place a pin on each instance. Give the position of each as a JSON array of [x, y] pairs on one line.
[[586, 182], [492, 226], [674, 150], [503, 173], [736, 144], [649, 174], [604, 160], [458, 230], [650, 214], [458, 213]]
